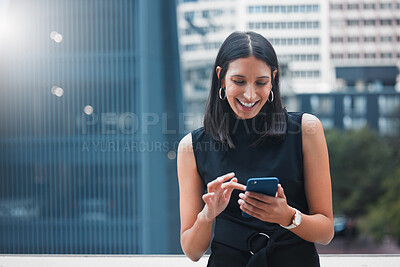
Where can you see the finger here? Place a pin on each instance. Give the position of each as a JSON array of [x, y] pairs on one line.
[[233, 184], [249, 209], [280, 193], [260, 197], [227, 193], [207, 197], [220, 180], [254, 202]]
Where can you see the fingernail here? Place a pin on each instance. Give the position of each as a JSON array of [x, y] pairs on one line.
[[241, 195], [240, 202]]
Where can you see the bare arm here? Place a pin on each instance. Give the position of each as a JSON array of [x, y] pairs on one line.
[[318, 226], [198, 210]]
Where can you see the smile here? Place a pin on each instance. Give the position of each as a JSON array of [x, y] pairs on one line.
[[247, 105]]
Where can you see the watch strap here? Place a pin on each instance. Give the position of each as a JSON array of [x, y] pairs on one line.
[[293, 225]]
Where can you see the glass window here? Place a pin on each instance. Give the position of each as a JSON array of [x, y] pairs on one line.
[[264, 25], [369, 55], [369, 39], [352, 6], [385, 5], [337, 39], [369, 22], [189, 15], [336, 6], [369, 6], [337, 56], [386, 38], [354, 55], [385, 22], [315, 8], [352, 22], [264, 9], [353, 39]]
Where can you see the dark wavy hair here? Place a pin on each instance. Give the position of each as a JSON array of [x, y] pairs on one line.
[[272, 119]]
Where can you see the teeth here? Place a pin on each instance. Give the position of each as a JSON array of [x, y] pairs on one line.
[[248, 105]]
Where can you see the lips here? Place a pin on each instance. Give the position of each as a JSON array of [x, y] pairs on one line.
[[247, 105]]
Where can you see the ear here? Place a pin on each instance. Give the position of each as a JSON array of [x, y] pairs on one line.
[[274, 73], [218, 71]]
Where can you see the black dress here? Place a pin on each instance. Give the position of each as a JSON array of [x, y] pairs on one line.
[[236, 238]]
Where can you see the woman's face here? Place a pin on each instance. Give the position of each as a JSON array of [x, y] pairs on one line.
[[248, 84]]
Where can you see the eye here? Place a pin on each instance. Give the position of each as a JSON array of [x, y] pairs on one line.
[[261, 84], [238, 82]]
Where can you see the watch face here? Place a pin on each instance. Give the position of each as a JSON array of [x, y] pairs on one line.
[[297, 218]]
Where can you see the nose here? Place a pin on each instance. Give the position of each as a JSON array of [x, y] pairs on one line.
[[249, 94]]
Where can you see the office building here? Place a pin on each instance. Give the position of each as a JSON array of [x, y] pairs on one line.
[[89, 102]]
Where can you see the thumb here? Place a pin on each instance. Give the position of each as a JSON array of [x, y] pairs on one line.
[[280, 192]]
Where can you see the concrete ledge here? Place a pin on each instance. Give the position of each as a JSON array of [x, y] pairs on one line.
[[342, 260]]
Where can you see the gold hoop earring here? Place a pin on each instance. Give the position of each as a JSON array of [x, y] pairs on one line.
[[272, 99], [220, 94]]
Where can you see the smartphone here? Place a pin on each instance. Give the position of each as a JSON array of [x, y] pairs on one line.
[[263, 185]]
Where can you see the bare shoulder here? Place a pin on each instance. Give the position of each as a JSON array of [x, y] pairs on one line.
[[185, 145], [312, 133], [310, 125]]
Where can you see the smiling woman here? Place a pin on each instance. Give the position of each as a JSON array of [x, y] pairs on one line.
[[247, 92], [258, 138]]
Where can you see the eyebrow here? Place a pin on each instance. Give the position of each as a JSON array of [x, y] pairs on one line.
[[241, 76]]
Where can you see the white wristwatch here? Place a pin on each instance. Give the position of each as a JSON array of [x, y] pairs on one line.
[[296, 220]]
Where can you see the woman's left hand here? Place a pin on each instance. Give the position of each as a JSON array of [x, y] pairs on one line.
[[267, 208]]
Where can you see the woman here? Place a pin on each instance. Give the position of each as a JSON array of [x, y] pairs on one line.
[[247, 133]]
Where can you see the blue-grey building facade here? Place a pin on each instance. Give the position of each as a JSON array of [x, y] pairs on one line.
[[90, 98]]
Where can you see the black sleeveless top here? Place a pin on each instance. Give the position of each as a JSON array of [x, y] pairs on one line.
[[280, 158]]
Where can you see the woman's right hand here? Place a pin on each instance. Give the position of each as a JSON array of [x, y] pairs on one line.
[[217, 197]]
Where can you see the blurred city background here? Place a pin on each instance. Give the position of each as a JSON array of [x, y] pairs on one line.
[[95, 96]]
